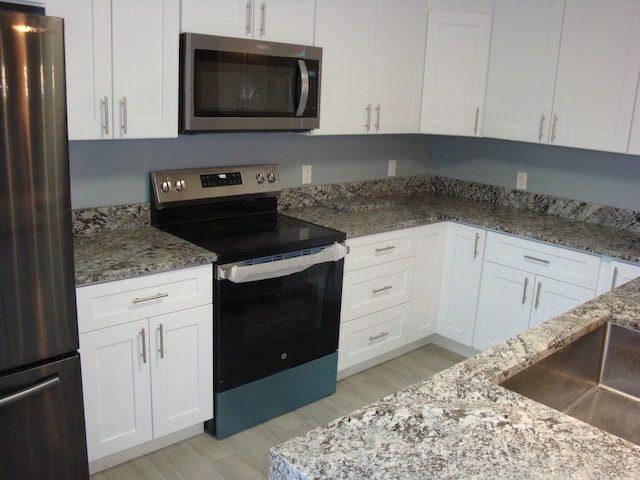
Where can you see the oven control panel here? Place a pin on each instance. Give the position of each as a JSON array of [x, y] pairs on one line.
[[168, 186]]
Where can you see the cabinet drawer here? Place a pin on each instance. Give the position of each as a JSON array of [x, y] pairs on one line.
[[112, 303], [368, 290], [539, 258], [367, 337], [380, 248]]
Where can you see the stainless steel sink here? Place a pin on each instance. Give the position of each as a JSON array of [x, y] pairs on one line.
[[596, 379]]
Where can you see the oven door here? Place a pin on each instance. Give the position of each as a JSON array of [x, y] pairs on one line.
[[270, 323]]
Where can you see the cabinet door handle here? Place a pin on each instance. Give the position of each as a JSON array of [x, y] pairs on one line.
[[105, 104], [537, 304], [475, 246], [144, 346], [535, 259], [123, 103], [368, 124], [385, 249], [615, 278], [149, 298], [377, 125], [381, 289], [30, 391], [553, 128], [524, 291], [248, 23], [161, 333], [475, 126], [263, 19], [542, 119], [378, 337]]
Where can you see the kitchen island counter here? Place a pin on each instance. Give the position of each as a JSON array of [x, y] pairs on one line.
[[461, 424]]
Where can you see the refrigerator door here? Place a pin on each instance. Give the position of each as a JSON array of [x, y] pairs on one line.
[[37, 290], [38, 441]]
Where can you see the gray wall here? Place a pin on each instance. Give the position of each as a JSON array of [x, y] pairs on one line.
[[116, 172], [596, 177]]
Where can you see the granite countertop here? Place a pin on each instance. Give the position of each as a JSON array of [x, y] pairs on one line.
[[461, 424]]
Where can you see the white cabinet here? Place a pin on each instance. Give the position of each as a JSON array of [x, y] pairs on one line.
[[429, 264], [615, 273], [290, 21], [525, 283], [376, 295], [457, 54], [373, 57], [147, 357], [595, 80], [460, 282], [121, 66], [634, 138]]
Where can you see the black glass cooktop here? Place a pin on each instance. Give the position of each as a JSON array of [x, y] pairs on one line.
[[255, 236]]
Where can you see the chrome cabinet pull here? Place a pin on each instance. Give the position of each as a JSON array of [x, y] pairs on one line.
[[615, 278], [144, 346], [535, 259], [524, 291], [123, 103], [475, 126], [475, 245], [378, 337], [537, 304], [248, 24], [368, 124], [29, 391], [553, 128], [385, 249], [148, 299], [105, 103], [377, 125], [542, 119], [263, 20], [161, 349], [382, 289]]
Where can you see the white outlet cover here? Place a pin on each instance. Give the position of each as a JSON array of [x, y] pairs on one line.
[[306, 174], [521, 181]]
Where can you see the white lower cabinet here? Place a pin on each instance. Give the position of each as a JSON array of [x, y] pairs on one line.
[[615, 273], [149, 376]]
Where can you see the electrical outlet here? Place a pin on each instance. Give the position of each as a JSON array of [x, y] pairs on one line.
[[521, 181], [391, 172], [306, 174]]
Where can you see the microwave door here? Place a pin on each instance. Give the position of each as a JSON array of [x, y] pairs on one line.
[[304, 88]]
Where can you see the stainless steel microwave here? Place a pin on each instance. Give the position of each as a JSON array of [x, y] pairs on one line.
[[238, 84]]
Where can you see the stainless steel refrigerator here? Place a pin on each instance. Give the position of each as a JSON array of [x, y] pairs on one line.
[[41, 414]]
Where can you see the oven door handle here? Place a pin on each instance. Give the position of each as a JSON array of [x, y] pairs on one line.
[[281, 268]]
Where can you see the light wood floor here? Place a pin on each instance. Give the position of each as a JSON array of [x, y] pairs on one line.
[[245, 455]]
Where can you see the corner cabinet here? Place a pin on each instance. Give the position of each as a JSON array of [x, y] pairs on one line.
[[373, 60], [288, 21], [456, 59], [147, 357], [122, 67]]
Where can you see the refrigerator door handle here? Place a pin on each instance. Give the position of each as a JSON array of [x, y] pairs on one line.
[[30, 391]]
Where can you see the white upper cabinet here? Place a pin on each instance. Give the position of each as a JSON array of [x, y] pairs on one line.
[[122, 67], [289, 21], [634, 138], [457, 54], [587, 100], [524, 57], [373, 56]]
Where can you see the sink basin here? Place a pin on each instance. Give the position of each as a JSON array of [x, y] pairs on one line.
[[596, 379]]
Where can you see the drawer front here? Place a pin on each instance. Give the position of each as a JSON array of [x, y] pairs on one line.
[[112, 303], [380, 248], [368, 290], [368, 337], [551, 261]]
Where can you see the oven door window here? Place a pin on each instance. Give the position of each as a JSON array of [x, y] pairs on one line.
[[267, 326]]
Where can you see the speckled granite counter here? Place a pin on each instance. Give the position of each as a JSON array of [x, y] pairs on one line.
[[461, 424]]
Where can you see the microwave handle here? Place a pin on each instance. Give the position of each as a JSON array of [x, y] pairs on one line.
[[304, 88]]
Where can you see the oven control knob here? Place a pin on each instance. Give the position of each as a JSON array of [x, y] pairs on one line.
[[166, 186], [180, 185], [271, 177], [260, 178]]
